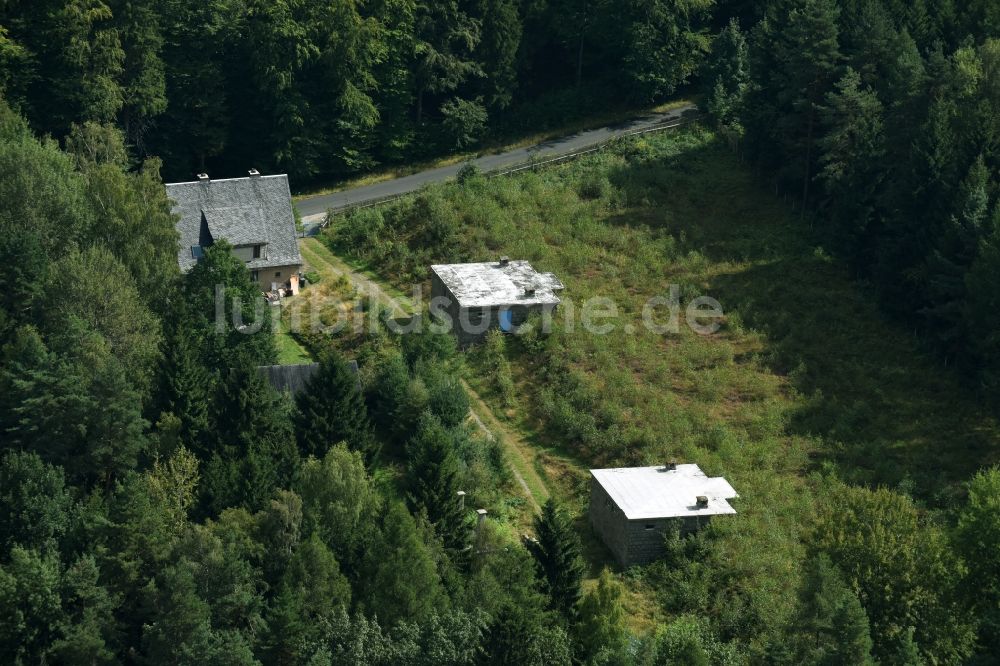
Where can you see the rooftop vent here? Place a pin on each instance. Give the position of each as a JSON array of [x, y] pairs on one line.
[[529, 292], [203, 178], [701, 501], [671, 464], [504, 261], [254, 173]]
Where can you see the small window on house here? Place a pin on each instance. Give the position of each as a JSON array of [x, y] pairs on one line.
[[256, 251], [650, 526], [197, 251], [253, 275], [277, 274]]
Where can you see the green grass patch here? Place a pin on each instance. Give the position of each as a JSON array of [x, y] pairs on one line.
[[290, 352]]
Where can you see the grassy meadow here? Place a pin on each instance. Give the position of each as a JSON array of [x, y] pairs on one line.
[[804, 381]]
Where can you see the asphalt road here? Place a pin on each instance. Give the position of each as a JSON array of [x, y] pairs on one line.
[[318, 205]]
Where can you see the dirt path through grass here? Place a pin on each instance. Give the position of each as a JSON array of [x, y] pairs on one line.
[[520, 460], [330, 266]]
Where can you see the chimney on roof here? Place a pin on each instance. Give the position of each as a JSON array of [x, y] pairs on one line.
[[254, 173], [671, 464], [203, 178], [504, 261], [701, 501], [529, 291]]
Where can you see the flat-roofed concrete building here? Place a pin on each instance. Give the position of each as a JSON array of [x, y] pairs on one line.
[[501, 294], [630, 507]]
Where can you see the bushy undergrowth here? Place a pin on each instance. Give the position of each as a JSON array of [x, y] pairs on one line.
[[803, 375]]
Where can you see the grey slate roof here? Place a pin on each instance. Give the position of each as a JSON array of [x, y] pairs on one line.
[[492, 284], [243, 211], [292, 378], [240, 225]]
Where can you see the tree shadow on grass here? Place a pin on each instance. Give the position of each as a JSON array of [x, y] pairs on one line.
[[886, 411]]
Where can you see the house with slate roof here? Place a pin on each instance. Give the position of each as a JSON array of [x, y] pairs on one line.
[[253, 214]]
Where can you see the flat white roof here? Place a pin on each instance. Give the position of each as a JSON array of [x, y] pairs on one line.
[[489, 284], [656, 492]]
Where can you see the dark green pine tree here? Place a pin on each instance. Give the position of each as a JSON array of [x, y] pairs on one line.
[[143, 76], [255, 452], [433, 473], [851, 157], [558, 556], [956, 248], [400, 579], [725, 77], [331, 409], [185, 387], [797, 58], [831, 623], [983, 306]]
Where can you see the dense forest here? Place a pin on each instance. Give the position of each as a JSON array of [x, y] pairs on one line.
[[322, 88], [160, 502]]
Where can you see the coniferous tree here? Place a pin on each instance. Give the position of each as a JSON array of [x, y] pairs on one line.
[[557, 554], [726, 77], [143, 78], [797, 63], [982, 308], [401, 579], [433, 473], [832, 624], [228, 311], [954, 253], [331, 409], [445, 38], [254, 451], [851, 157], [185, 386], [498, 50]]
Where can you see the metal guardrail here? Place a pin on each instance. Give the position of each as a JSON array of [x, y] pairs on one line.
[[524, 166]]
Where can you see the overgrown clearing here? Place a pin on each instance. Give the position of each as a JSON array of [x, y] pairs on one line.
[[805, 378]]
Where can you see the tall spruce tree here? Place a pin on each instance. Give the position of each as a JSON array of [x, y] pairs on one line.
[[796, 64], [725, 77], [433, 480], [558, 557], [401, 580], [185, 387], [331, 409], [830, 620], [254, 454], [851, 159]]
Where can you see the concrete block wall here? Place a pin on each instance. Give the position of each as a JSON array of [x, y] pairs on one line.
[[633, 542]]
